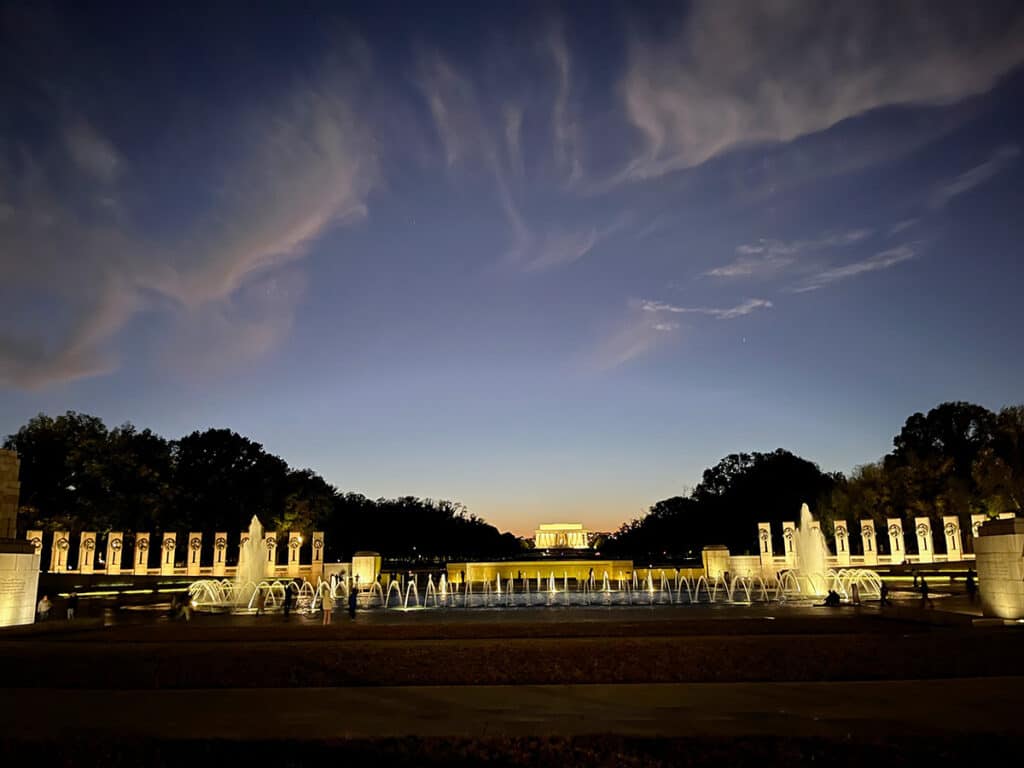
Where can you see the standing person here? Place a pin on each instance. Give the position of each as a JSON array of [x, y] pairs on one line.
[[43, 608], [261, 601], [352, 604], [328, 606], [286, 605], [926, 601], [971, 586], [883, 595], [72, 605], [855, 594]]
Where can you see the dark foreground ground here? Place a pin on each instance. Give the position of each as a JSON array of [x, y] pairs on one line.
[[733, 686]]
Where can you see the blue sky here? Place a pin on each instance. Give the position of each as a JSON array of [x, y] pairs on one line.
[[548, 260]]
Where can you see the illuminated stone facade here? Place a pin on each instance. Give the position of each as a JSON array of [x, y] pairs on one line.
[[561, 536], [999, 549], [19, 560]]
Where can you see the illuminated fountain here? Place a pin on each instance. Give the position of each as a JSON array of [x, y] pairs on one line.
[[812, 579], [239, 595]]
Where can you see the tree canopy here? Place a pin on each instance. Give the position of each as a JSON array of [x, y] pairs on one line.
[[957, 459], [76, 474]]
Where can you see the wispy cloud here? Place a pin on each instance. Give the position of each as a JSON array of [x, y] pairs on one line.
[[1001, 159], [737, 73], [880, 261], [769, 257], [477, 133], [721, 313], [638, 334], [301, 168]]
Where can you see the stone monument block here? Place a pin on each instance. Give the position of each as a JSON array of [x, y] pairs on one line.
[[716, 561], [842, 543], [59, 552], [318, 552], [789, 542], [1005, 516], [115, 551], [19, 560], [195, 553], [220, 554], [764, 537], [87, 552], [141, 565], [896, 548], [167, 545], [365, 567], [868, 540], [999, 550], [954, 542], [294, 549], [925, 545]]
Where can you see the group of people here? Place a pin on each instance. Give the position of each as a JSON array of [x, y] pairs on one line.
[[44, 607], [327, 609]]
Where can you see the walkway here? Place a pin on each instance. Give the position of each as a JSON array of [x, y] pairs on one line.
[[838, 710]]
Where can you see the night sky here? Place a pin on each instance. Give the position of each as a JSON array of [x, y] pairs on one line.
[[548, 260]]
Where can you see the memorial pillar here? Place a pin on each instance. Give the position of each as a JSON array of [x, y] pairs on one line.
[[318, 553], [141, 554], [976, 521], [270, 542], [115, 549], [789, 542], [35, 538], [294, 546], [59, 552], [220, 554], [170, 541], [896, 550], [764, 546], [868, 540], [195, 553], [925, 546], [954, 541], [842, 543], [87, 552]]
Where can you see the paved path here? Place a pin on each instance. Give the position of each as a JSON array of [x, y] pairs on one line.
[[858, 710]]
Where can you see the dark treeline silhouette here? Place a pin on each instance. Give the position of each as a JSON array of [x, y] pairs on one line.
[[76, 474], [958, 459]]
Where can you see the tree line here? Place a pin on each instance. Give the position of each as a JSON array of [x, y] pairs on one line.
[[76, 474], [958, 459]]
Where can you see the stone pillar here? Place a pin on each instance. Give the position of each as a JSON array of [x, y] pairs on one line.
[[220, 554], [141, 554], [59, 552], [35, 538], [195, 553], [925, 545], [294, 546], [1000, 558], [789, 542], [764, 547], [115, 551], [242, 541], [87, 552], [976, 521], [954, 542], [896, 549], [167, 546], [842, 543], [318, 553], [270, 542], [868, 540]]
